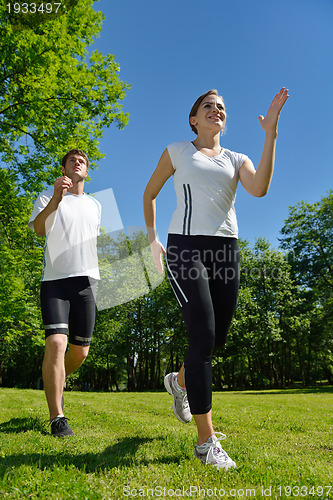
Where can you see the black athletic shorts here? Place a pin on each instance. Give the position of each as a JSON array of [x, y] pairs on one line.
[[69, 307]]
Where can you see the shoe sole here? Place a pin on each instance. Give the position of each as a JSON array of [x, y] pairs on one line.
[[167, 385], [168, 388], [62, 435]]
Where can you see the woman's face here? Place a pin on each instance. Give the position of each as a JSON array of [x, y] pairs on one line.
[[210, 115]]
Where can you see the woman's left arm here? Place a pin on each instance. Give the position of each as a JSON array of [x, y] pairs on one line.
[[257, 182]]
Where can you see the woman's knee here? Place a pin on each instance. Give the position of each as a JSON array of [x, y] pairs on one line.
[[200, 352]]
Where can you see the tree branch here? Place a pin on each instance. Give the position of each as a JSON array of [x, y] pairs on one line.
[[23, 69]]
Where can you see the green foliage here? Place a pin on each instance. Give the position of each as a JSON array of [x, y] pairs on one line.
[[142, 329], [307, 236], [132, 339], [54, 95], [20, 261], [260, 350]]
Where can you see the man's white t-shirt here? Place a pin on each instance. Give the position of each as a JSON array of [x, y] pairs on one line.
[[71, 243], [206, 191]]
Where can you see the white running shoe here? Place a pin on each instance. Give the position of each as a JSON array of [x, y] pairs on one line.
[[180, 406], [211, 453]]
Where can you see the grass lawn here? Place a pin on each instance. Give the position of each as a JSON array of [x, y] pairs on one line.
[[129, 445]]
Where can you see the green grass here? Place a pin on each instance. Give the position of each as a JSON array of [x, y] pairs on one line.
[[131, 442]]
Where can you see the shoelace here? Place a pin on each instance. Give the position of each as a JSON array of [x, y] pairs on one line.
[[181, 393], [185, 402], [61, 422], [216, 450]]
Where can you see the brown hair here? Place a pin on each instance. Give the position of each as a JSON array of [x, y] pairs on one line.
[[197, 103], [78, 152]]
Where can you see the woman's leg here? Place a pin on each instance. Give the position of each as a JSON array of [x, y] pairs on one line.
[[208, 300], [181, 377], [189, 279], [224, 286], [205, 426], [200, 303]]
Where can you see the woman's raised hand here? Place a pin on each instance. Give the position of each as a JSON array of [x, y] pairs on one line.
[[270, 121]]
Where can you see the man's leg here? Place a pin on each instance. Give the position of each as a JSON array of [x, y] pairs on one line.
[[55, 311], [54, 372], [81, 322], [74, 357]]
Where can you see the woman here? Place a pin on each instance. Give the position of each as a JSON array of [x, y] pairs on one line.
[[202, 250]]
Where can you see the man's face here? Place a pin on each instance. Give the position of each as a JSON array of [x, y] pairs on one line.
[[75, 167]]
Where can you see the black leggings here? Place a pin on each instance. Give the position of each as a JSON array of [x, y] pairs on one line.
[[204, 274]]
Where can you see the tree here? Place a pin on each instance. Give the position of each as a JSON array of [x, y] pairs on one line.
[[307, 235], [144, 319], [268, 339], [20, 260], [53, 95]]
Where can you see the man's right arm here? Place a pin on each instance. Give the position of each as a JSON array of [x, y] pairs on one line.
[[45, 219]]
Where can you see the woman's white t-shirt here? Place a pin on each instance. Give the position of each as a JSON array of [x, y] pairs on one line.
[[206, 191]]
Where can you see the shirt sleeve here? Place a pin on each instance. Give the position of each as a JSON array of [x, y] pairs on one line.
[[41, 202], [99, 218], [176, 150], [97, 208], [238, 160], [173, 153]]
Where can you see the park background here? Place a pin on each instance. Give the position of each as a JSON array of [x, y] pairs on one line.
[[276, 370], [63, 85]]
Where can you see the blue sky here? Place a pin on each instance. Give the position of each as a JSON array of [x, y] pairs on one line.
[[171, 52]]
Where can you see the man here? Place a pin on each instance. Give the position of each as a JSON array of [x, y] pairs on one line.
[[70, 220]]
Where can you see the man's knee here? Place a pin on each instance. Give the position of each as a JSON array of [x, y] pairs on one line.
[[78, 353], [56, 344], [82, 355]]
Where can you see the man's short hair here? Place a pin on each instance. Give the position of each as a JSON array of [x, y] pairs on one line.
[[78, 152]]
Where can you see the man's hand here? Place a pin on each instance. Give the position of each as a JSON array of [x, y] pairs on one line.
[[45, 219], [61, 185]]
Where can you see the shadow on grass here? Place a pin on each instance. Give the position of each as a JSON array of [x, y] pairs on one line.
[[17, 425], [121, 454]]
